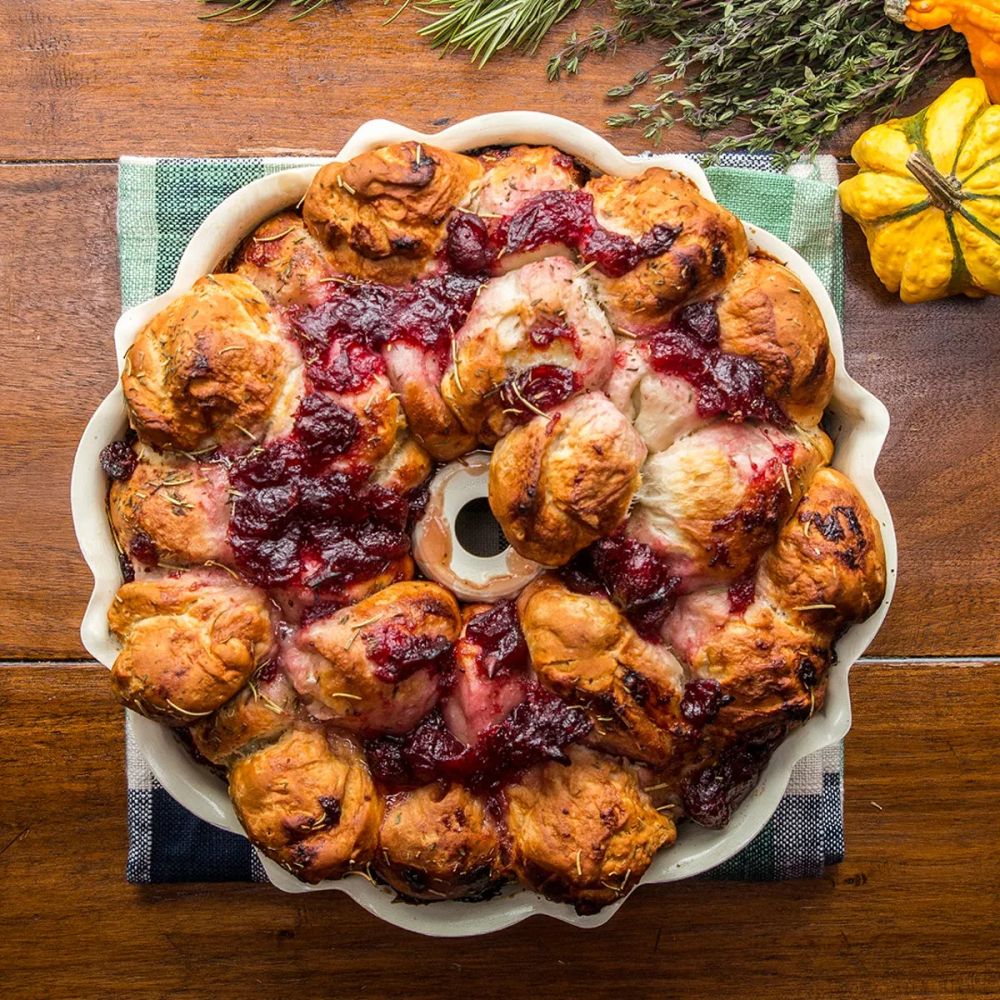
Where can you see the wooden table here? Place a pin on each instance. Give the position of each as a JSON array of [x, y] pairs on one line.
[[911, 912]]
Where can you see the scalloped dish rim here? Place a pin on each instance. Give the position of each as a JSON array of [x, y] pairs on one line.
[[857, 421]]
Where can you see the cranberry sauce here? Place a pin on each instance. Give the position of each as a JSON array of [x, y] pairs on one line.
[[742, 592], [711, 794], [537, 390], [552, 217], [536, 730], [632, 575], [118, 459], [497, 633], [292, 523], [727, 384], [702, 701], [397, 653], [424, 313]]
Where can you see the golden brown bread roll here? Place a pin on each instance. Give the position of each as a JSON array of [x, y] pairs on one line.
[[257, 714], [308, 802], [709, 246], [172, 510], [544, 313], [210, 368], [714, 501], [514, 176], [382, 216], [562, 480], [284, 261], [583, 833], [584, 650], [828, 564], [189, 643], [373, 667], [771, 669], [438, 842], [766, 313]]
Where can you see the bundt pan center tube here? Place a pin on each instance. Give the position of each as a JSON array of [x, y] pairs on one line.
[[217, 655]]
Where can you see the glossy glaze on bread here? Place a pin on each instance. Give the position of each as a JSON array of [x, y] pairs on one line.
[[652, 395]]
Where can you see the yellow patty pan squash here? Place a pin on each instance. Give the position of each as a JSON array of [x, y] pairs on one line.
[[928, 197]]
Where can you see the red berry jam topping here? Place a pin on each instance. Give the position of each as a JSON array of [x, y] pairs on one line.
[[536, 390], [326, 428], [118, 460], [547, 329], [397, 653], [702, 700], [711, 795], [347, 366], [536, 730], [291, 524], [424, 313], [498, 634], [568, 218], [142, 549], [742, 592], [632, 575], [727, 384], [469, 248]]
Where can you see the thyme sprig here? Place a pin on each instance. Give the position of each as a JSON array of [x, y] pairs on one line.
[[786, 73]]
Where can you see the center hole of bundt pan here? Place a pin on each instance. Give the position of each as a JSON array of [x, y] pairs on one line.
[[478, 531]]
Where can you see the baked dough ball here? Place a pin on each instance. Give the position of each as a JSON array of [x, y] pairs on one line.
[[257, 714], [583, 833], [516, 175], [661, 407], [712, 503], [771, 669], [415, 374], [172, 510], [373, 667], [189, 643], [542, 314], [485, 686], [383, 215], [405, 467], [438, 842], [211, 368], [767, 314], [709, 246], [562, 480], [308, 802], [283, 260], [828, 563], [584, 650]]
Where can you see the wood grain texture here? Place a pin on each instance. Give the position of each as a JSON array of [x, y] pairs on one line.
[[86, 79], [908, 914]]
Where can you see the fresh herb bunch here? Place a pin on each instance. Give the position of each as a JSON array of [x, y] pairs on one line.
[[794, 71]]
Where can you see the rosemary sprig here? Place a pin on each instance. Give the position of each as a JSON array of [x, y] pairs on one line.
[[792, 72], [238, 11], [484, 27]]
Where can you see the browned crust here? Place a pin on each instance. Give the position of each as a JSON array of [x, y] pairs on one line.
[[382, 215], [189, 643], [309, 803]]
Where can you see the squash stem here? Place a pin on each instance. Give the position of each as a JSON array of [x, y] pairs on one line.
[[945, 192]]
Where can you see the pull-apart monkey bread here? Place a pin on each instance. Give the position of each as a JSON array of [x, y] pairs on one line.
[[652, 394]]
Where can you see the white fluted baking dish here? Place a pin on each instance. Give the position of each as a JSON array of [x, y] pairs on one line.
[[856, 420]]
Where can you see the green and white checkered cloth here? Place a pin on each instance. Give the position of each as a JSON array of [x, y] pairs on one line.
[[161, 202]]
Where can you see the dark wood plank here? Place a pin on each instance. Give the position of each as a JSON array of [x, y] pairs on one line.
[[58, 304], [935, 365], [911, 912]]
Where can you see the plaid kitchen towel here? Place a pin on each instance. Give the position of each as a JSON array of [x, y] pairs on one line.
[[160, 204]]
